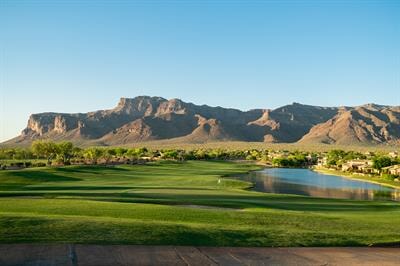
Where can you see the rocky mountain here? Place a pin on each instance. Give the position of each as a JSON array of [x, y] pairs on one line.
[[147, 118], [363, 124]]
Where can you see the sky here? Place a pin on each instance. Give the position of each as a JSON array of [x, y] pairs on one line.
[[80, 56]]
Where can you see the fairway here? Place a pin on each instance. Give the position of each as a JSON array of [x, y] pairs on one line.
[[179, 203]]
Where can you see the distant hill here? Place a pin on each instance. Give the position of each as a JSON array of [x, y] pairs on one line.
[[363, 124], [145, 118]]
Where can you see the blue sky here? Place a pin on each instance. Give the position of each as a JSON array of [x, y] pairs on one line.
[[79, 56]]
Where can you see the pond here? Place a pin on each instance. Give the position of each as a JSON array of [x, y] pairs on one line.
[[309, 183]]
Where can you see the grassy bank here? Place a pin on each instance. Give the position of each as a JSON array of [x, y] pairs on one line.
[[164, 203], [373, 179]]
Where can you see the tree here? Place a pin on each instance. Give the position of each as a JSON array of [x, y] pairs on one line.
[[64, 151], [44, 149], [111, 152], [284, 162], [108, 154], [200, 154], [132, 154], [334, 157], [22, 154], [93, 154], [120, 152], [169, 154], [10, 153], [253, 155], [381, 161], [77, 153]]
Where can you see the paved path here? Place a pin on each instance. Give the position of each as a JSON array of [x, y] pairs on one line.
[[73, 255]]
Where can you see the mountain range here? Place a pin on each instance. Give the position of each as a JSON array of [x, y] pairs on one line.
[[145, 118]]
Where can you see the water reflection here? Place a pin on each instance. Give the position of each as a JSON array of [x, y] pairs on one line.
[[309, 183]]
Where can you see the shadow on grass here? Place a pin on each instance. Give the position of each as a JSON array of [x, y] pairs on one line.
[[302, 204], [16, 229], [90, 169], [282, 202], [43, 176], [77, 188]]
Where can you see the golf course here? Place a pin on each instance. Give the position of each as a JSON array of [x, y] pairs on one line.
[[179, 203]]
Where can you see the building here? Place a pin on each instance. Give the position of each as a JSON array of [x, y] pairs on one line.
[[362, 166], [322, 161], [392, 170]]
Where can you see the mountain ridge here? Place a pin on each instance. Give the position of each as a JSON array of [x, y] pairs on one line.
[[145, 118]]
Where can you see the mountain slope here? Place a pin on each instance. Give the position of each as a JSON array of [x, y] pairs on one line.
[[364, 124], [145, 118]]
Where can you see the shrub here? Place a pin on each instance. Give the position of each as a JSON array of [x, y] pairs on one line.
[[39, 164], [19, 164], [389, 176], [381, 161]]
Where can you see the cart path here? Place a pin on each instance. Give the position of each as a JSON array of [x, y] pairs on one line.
[[75, 255]]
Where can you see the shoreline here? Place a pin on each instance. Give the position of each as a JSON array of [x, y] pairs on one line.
[[351, 176]]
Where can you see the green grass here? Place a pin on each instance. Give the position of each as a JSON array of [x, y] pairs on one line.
[[163, 203]]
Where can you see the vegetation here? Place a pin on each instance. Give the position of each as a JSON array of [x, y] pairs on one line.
[[338, 157], [64, 153], [296, 159], [385, 180], [380, 162], [49, 153], [179, 203]]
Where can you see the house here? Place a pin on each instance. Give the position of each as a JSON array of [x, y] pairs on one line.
[[322, 161], [392, 170], [362, 166], [367, 169]]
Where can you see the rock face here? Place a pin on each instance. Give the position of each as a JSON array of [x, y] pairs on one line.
[[364, 124], [147, 118]]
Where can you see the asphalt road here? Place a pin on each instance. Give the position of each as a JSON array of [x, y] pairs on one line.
[[73, 255]]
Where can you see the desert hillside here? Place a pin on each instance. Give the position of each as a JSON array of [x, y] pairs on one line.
[[147, 118]]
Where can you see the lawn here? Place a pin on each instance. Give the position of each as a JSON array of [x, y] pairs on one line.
[[179, 203]]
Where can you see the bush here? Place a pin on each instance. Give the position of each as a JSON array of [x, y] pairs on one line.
[[39, 164], [381, 161], [389, 176], [19, 164], [291, 161]]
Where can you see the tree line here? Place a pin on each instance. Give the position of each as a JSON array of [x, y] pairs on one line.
[[65, 153], [42, 153]]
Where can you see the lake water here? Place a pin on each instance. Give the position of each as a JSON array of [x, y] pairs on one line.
[[310, 183]]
